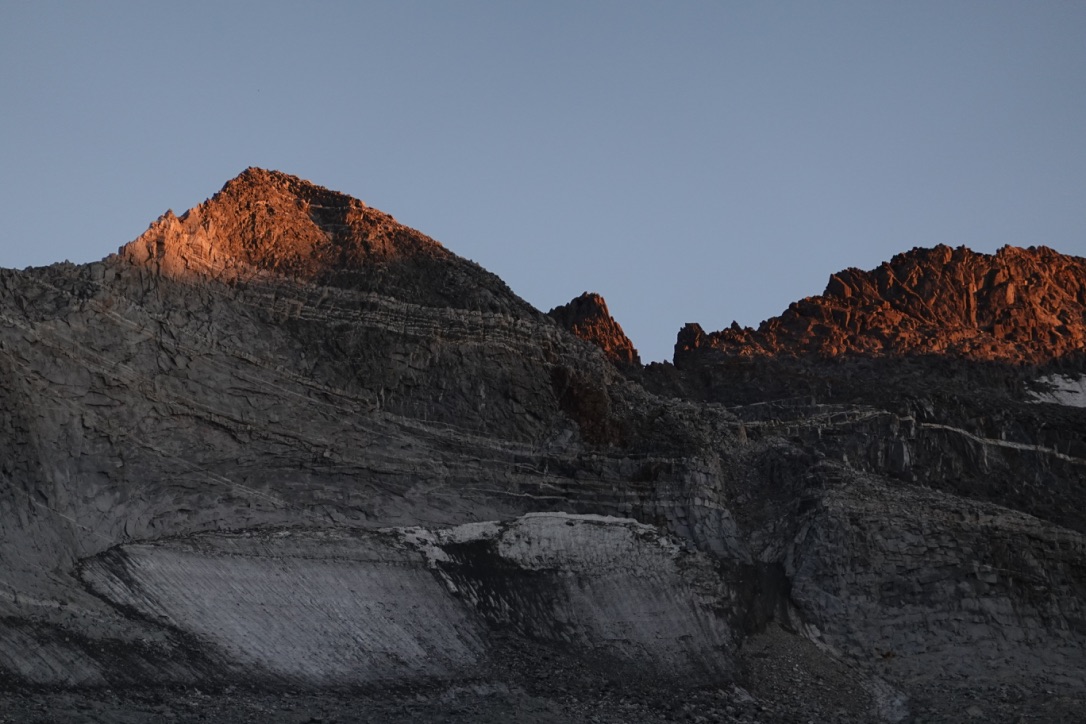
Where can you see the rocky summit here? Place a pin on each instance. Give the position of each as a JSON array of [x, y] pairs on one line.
[[284, 459], [1018, 305]]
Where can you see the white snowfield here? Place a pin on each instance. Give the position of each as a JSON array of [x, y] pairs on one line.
[[1066, 390], [352, 607]]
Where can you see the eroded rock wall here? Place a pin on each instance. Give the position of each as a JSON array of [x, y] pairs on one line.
[[935, 587]]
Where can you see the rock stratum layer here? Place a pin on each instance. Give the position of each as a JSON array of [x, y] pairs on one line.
[[284, 443]]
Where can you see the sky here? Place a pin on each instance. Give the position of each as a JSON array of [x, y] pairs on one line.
[[690, 161]]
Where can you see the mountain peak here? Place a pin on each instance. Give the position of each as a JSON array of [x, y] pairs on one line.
[[271, 223], [1019, 305], [255, 181]]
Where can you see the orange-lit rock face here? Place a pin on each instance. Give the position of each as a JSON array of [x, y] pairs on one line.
[[276, 222], [588, 318], [1018, 305], [273, 224]]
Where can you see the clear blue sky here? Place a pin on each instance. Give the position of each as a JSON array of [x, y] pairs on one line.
[[691, 161]]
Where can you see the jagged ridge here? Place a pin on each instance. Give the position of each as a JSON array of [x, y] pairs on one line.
[[1018, 306]]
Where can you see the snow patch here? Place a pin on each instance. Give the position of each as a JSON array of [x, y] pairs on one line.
[[1067, 390]]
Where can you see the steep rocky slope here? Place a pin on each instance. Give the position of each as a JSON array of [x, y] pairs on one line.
[[282, 443]]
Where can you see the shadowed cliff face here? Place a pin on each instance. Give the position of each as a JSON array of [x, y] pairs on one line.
[[282, 439], [1017, 306]]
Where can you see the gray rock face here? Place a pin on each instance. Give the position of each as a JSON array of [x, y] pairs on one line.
[[283, 441], [348, 607]]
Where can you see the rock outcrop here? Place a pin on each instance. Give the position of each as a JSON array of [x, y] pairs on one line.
[[588, 318], [283, 443], [1016, 306]]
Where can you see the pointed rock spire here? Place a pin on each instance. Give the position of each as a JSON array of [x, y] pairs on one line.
[[588, 318]]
